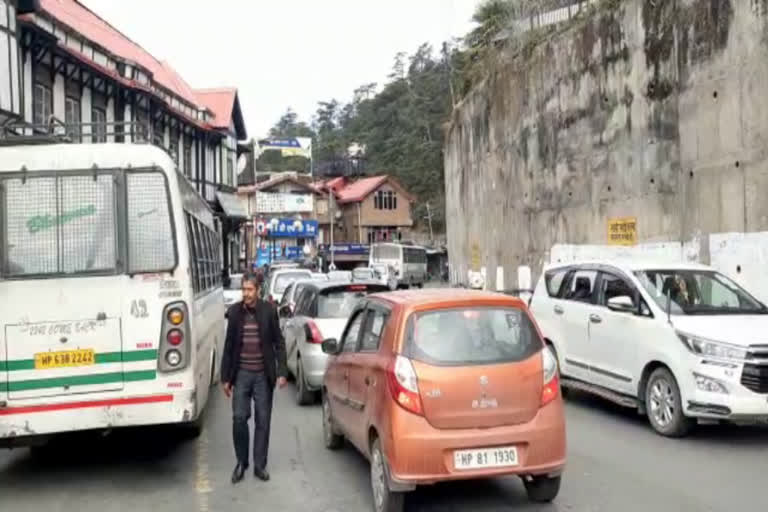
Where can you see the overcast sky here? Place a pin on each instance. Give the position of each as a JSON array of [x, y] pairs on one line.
[[287, 53]]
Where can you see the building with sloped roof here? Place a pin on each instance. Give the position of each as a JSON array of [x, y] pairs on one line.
[[77, 69]]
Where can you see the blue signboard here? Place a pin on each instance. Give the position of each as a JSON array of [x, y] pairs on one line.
[[347, 248], [290, 253], [292, 228]]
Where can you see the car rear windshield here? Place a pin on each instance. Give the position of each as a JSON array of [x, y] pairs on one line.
[[339, 302], [282, 280], [471, 336]]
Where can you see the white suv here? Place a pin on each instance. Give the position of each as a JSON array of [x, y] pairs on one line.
[[680, 342]]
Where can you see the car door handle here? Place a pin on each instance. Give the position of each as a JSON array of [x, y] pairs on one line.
[[346, 376], [367, 381], [595, 319], [559, 310]]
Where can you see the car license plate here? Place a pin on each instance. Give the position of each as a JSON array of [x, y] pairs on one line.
[[64, 359], [503, 456]]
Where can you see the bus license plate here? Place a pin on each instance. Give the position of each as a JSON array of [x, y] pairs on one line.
[[64, 359], [501, 457]]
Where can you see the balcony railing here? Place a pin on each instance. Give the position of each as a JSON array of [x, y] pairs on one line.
[[57, 131]]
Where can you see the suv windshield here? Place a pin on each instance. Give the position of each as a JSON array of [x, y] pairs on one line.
[[698, 292], [468, 336]]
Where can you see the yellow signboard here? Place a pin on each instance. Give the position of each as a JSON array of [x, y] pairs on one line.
[[622, 231], [475, 258]]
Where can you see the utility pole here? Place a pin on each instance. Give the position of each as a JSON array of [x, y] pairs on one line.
[[429, 219], [332, 213]]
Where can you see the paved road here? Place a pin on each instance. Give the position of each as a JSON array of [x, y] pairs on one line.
[[615, 463]]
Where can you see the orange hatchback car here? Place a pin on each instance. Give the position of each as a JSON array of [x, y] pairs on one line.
[[440, 385]]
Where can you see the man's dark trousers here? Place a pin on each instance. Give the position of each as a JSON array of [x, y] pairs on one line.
[[251, 386]]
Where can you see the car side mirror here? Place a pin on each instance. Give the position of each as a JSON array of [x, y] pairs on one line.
[[330, 346], [286, 311], [622, 304]]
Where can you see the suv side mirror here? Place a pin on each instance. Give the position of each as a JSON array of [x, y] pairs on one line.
[[622, 304], [330, 346], [286, 311]]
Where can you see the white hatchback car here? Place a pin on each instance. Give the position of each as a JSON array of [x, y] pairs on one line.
[[680, 342]]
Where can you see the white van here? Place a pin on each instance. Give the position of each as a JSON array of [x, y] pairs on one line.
[[680, 342], [111, 305]]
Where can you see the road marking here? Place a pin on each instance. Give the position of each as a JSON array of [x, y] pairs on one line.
[[202, 480]]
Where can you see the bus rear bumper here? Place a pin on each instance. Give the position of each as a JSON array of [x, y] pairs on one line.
[[22, 424]]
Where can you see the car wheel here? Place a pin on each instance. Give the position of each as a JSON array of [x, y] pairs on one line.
[[304, 396], [542, 489], [384, 500], [333, 439], [664, 406]]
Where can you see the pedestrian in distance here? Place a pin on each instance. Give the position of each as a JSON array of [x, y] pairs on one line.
[[252, 365]]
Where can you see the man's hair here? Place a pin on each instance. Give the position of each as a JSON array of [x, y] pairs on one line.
[[255, 278]]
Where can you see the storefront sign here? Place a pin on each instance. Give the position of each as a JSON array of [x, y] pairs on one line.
[[622, 231], [347, 248], [292, 228], [269, 202]]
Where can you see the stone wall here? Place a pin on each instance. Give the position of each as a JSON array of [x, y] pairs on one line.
[[654, 109]]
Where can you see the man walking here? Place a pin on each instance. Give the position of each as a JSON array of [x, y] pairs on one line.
[[252, 364]]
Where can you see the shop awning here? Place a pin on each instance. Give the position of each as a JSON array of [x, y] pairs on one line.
[[231, 205]]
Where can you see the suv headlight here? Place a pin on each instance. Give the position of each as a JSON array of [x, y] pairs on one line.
[[708, 348]]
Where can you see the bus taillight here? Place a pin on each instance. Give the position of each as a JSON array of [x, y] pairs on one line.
[[174, 353], [175, 337]]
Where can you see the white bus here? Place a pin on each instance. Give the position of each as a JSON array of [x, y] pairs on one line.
[[111, 302], [409, 262]]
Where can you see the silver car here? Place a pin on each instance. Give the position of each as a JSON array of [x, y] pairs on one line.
[[279, 280], [321, 312]]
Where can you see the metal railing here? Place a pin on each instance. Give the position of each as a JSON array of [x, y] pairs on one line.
[[538, 20], [56, 131]]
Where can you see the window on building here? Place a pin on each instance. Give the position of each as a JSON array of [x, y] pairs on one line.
[[42, 104], [385, 200], [141, 130], [99, 124], [230, 171], [187, 156], [72, 118]]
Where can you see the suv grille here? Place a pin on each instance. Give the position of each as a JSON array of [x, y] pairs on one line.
[[755, 377]]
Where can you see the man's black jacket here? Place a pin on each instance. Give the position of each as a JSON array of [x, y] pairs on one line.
[[272, 342]]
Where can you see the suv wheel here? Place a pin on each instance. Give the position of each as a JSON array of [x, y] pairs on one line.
[[333, 439], [542, 489], [664, 405], [304, 396], [384, 500]]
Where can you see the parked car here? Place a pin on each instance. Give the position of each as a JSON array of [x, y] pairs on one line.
[[340, 275], [278, 281], [679, 342], [385, 274], [321, 312], [363, 274], [290, 294], [233, 292], [441, 385]]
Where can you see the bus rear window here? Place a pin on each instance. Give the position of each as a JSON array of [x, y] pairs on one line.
[[150, 233], [71, 225], [59, 225]]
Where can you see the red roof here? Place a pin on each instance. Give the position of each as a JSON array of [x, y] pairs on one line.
[[360, 189], [221, 102], [79, 18]]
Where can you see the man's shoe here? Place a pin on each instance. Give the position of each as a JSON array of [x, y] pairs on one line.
[[261, 474], [238, 473]]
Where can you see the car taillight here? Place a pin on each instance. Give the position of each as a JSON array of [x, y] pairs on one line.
[[404, 385], [551, 381], [175, 337], [313, 333]]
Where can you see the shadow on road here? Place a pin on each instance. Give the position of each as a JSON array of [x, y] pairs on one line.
[[134, 450], [475, 495], [725, 434]]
